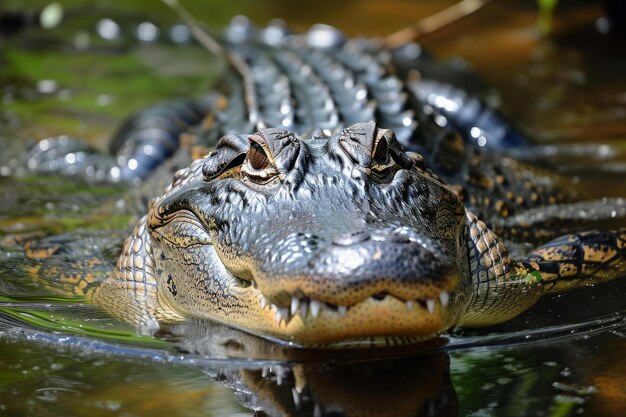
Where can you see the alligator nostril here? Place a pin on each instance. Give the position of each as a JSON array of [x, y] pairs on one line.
[[351, 239], [399, 239], [242, 283]]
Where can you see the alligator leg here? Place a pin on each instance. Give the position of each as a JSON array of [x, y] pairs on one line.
[[502, 288], [576, 260], [81, 265], [71, 263]]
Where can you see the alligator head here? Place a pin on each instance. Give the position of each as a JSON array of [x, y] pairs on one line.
[[312, 241]]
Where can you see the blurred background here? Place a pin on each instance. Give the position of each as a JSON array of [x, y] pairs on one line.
[[556, 72]]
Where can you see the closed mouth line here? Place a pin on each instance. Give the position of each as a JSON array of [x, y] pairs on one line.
[[307, 307]]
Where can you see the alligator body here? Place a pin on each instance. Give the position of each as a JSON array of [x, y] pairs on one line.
[[318, 80], [345, 198]]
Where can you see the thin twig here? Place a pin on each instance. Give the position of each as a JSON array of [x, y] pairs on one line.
[[435, 22], [198, 33]]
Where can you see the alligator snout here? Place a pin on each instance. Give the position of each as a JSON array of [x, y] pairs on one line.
[[348, 268]]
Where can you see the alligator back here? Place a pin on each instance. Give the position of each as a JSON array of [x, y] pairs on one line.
[[316, 82]]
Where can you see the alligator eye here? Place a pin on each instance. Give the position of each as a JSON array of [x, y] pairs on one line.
[[381, 153], [382, 161], [258, 166], [257, 158]]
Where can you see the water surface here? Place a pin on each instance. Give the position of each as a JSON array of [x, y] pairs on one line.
[[59, 356]]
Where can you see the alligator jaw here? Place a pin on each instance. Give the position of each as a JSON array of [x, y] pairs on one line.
[[307, 308], [307, 321]]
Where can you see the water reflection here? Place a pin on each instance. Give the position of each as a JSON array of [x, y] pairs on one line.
[[403, 381], [424, 380], [188, 373], [300, 382], [418, 386]]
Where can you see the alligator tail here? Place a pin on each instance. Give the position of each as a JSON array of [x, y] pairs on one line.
[[141, 144]]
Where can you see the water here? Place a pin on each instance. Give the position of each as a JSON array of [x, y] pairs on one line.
[[60, 356]]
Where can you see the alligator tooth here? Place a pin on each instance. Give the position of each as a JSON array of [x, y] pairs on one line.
[[315, 308], [409, 305], [296, 397], [342, 310], [284, 312], [295, 305], [317, 410], [304, 309], [444, 297], [265, 372], [263, 302], [299, 385], [430, 305], [278, 316]]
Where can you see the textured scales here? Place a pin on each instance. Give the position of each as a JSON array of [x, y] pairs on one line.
[[475, 283], [297, 83], [344, 235]]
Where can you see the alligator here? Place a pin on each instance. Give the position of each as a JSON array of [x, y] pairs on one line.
[[344, 198]]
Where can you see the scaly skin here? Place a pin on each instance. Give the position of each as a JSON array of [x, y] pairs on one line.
[[327, 240], [340, 238]]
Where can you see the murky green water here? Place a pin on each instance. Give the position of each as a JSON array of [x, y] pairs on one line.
[[61, 357]]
